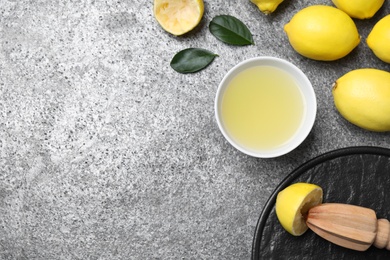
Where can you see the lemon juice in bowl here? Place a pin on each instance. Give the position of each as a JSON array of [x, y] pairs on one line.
[[265, 107], [262, 107]]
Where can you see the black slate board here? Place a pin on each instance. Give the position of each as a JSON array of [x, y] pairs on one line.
[[353, 175]]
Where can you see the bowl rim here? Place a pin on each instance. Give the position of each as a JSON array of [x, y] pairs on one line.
[[307, 91]]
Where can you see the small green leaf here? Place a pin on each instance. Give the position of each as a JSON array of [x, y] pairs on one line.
[[192, 60], [230, 30]]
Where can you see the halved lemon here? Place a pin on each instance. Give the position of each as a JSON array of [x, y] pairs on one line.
[[178, 16], [293, 204]]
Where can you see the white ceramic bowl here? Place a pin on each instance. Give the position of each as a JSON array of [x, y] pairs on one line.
[[309, 98]]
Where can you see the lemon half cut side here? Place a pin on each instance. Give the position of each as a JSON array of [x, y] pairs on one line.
[[178, 16], [293, 204]]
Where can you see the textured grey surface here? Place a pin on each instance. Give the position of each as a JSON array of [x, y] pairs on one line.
[[107, 153]]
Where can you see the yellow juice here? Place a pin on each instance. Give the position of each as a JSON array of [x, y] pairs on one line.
[[262, 108]]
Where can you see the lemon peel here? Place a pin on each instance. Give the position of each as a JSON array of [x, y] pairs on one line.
[[178, 16], [267, 6], [360, 9], [322, 32], [378, 39], [293, 203], [362, 97]]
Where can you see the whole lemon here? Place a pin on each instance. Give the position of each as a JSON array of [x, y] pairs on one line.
[[322, 32], [379, 39], [362, 96], [360, 9], [267, 6]]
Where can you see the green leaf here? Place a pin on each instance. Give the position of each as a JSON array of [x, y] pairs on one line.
[[230, 30], [192, 60]]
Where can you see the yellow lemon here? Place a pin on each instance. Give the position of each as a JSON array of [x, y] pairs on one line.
[[362, 96], [322, 32], [293, 203], [379, 39], [361, 9], [267, 6], [178, 16]]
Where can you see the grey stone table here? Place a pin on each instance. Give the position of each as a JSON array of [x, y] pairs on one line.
[[108, 153]]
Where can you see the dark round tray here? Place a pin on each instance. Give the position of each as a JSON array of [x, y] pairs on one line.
[[353, 175]]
